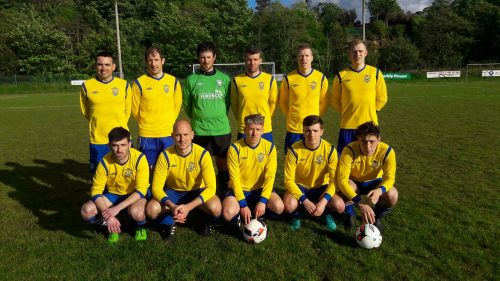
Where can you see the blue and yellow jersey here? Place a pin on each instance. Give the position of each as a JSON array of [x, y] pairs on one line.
[[156, 103], [358, 167], [301, 96], [105, 106], [310, 169], [184, 173], [125, 179], [252, 95], [358, 95], [252, 168]]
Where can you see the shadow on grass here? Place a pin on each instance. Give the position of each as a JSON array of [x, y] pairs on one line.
[[53, 192]]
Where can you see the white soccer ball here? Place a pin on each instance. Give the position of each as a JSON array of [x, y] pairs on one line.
[[255, 231], [368, 236]]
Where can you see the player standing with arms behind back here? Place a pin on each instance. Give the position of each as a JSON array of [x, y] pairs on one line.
[[254, 92], [206, 100], [359, 92], [303, 92], [105, 102]]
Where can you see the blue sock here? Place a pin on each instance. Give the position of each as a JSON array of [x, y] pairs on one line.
[[295, 214], [349, 210], [270, 214], [381, 211], [140, 223], [166, 219], [234, 220]]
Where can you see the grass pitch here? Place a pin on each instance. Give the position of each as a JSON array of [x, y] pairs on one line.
[[445, 226]]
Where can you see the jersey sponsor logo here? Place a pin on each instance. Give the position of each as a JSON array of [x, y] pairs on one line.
[[149, 89], [173, 165], [128, 173], [302, 159], [261, 86], [191, 166], [114, 91], [199, 84], [313, 85], [375, 164], [95, 92], [260, 157], [219, 83], [367, 78], [217, 94], [243, 86], [295, 85], [165, 89], [347, 80], [244, 158], [320, 159]]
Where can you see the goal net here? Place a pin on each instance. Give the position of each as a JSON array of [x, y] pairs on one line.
[[482, 71], [233, 69]]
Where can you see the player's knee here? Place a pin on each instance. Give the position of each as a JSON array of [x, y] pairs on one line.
[[290, 205], [337, 205], [229, 212], [153, 208], [88, 210], [136, 212], [276, 206], [214, 206]]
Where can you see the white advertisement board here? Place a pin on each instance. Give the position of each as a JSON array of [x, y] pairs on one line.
[[491, 73], [444, 74]]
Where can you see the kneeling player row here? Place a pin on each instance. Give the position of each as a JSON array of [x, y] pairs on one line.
[[184, 179]]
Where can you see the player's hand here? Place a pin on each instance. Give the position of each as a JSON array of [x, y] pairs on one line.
[[367, 214], [110, 212], [320, 208], [113, 225], [260, 210], [246, 215], [309, 206], [180, 213], [374, 195]]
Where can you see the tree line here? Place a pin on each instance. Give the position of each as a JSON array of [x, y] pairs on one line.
[[58, 37]]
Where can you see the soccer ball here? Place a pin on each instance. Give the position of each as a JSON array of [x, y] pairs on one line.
[[368, 236], [255, 231]]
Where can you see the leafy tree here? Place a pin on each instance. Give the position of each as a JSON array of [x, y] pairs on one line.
[[262, 4], [383, 9], [398, 54]]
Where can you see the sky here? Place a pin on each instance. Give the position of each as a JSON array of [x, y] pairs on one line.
[[406, 5]]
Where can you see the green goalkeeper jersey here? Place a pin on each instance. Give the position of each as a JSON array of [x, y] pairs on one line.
[[206, 100]]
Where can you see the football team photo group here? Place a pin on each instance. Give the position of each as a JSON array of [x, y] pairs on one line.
[[186, 165]]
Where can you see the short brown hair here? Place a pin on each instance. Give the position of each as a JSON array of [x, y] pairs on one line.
[[312, 120], [356, 42]]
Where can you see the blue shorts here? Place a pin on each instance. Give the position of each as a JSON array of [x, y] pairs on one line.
[[367, 186], [292, 138], [116, 199], [313, 194], [97, 152], [266, 136], [152, 147], [346, 136], [252, 197], [183, 197]]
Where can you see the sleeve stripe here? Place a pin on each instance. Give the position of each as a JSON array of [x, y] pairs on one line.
[[331, 152], [293, 152], [104, 165], [322, 80], [175, 84], [235, 148], [166, 158], [352, 151], [126, 88], [271, 84], [340, 78], [235, 84], [271, 150], [140, 194], [376, 75], [201, 158], [287, 83], [138, 85], [84, 88], [138, 161], [386, 154]]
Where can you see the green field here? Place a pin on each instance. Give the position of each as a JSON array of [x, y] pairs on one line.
[[445, 226]]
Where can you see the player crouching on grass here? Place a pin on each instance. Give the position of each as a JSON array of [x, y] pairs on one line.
[[252, 163], [121, 181], [184, 179], [310, 167], [367, 167]]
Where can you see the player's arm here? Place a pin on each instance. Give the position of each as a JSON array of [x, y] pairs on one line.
[[128, 103], [283, 96], [208, 175], [389, 169], [98, 185], [159, 178], [381, 92], [323, 97], [177, 98], [136, 99], [187, 99], [336, 93], [233, 165], [290, 168], [343, 173], [332, 173], [270, 175], [273, 96], [84, 102], [234, 100]]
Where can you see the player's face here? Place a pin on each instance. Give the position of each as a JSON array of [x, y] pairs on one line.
[[183, 136], [252, 63], [155, 64], [368, 144], [312, 135], [305, 59], [206, 60], [121, 150], [358, 53], [253, 133], [105, 68]]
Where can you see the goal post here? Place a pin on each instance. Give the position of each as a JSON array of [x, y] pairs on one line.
[[233, 69], [482, 70]]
